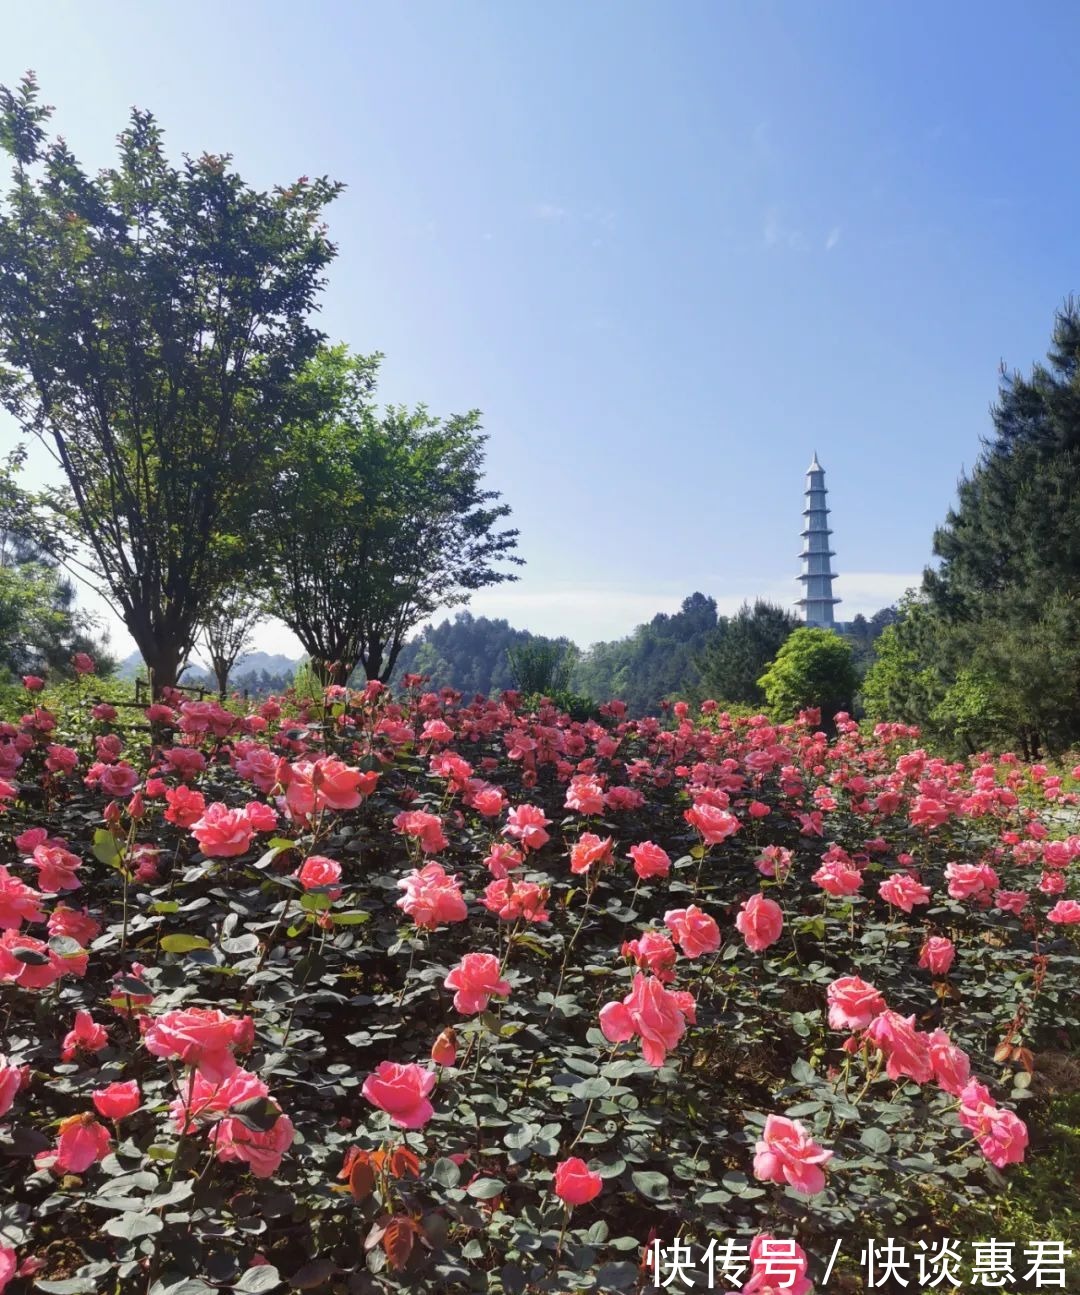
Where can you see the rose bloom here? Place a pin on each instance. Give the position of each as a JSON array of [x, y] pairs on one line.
[[952, 1067], [12, 1079], [261, 816], [590, 849], [201, 1037], [86, 1036], [526, 823], [83, 663], [907, 1052], [223, 832], [853, 1003], [56, 868], [585, 794], [715, 825], [476, 978], [425, 828], [260, 1149], [575, 1183], [650, 860], [185, 806], [694, 930], [1002, 1136], [184, 760], [623, 798], [201, 1099], [35, 975], [432, 897], [656, 1014], [488, 801], [444, 1049], [513, 900], [760, 922], [774, 861], [18, 902], [903, 891], [117, 780], [80, 1143], [787, 1154], [1011, 901], [836, 878], [104, 712], [118, 1100], [75, 922], [653, 952], [61, 759], [1065, 911], [970, 880], [33, 682], [317, 871], [402, 1092], [937, 955], [501, 858]]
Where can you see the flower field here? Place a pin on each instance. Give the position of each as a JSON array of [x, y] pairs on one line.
[[424, 993]]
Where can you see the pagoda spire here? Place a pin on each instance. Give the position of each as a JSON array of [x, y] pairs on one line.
[[817, 575]]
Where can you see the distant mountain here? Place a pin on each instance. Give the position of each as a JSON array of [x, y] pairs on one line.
[[274, 663]]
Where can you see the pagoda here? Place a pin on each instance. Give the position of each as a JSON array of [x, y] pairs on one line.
[[817, 576]]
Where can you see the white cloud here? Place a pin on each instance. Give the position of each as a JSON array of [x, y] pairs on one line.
[[549, 211], [833, 238]]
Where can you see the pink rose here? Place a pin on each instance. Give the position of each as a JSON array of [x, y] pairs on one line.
[[476, 979], [319, 872], [907, 1052], [760, 922], [185, 806], [653, 952], [223, 832], [714, 824], [201, 1037], [695, 931], [81, 1142], [657, 1015], [432, 897], [575, 1183], [1065, 911], [837, 878], [12, 1079], [56, 868], [527, 823], [402, 1092], [425, 828], [18, 902], [260, 1149], [117, 1101], [853, 1003], [117, 779], [86, 1036], [650, 860], [952, 1067], [787, 1154], [903, 891], [590, 849], [937, 955]]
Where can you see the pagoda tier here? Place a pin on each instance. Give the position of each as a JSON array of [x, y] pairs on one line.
[[817, 574]]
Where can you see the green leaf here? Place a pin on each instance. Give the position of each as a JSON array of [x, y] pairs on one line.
[[106, 850], [653, 1186], [351, 919], [263, 1277], [183, 943], [485, 1189], [876, 1139], [445, 1172], [133, 1226]]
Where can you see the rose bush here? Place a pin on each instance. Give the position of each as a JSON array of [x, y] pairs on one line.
[[422, 992]]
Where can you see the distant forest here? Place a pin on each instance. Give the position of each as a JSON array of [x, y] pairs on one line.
[[689, 653]]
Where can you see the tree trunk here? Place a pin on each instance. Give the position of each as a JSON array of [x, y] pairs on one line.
[[162, 662]]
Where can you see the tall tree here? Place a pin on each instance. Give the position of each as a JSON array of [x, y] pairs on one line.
[[739, 649], [152, 320], [376, 520], [227, 631], [812, 668]]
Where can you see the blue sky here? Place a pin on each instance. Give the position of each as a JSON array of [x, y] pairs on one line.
[[668, 249]]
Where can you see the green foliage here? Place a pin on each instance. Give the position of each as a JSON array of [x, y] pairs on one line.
[[410, 530], [1006, 599], [542, 666], [152, 319], [570, 703], [813, 668], [469, 653], [655, 662], [738, 651]]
